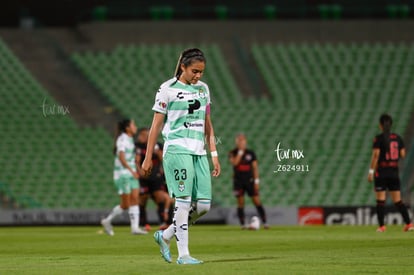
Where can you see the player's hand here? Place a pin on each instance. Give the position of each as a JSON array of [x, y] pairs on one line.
[[217, 169], [147, 166], [370, 177], [135, 174]]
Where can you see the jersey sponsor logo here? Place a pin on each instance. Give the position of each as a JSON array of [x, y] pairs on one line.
[[193, 105], [310, 215], [243, 167], [389, 164], [180, 95], [190, 124], [194, 116]]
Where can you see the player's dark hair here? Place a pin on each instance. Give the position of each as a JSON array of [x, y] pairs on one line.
[[143, 129], [121, 128], [386, 123], [187, 57]]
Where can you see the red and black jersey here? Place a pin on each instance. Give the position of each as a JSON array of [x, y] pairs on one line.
[[389, 154], [141, 149], [244, 170]]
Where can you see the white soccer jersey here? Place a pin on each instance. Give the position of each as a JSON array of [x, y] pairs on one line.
[[185, 109], [124, 143]]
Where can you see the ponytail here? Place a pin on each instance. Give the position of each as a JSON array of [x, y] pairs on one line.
[[187, 57], [386, 123], [120, 128], [178, 70]]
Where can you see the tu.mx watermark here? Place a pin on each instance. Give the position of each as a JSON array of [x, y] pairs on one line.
[[53, 109], [286, 154]]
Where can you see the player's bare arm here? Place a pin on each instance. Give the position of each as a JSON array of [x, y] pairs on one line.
[[138, 164], [235, 160], [209, 132], [157, 124], [373, 166], [255, 168], [402, 153], [124, 163]]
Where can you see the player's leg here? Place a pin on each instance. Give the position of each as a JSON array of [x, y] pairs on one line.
[[143, 199], [395, 193], [198, 209], [380, 195], [238, 191], [253, 193], [202, 189], [171, 203], [143, 220], [260, 210], [180, 221], [118, 209], [240, 210], [179, 173], [134, 210], [162, 200], [380, 207]]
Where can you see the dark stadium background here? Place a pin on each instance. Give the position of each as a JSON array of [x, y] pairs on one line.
[[313, 75]]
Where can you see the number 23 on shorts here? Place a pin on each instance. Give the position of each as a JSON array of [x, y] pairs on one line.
[[180, 174]]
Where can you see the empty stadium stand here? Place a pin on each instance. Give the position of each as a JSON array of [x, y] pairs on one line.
[[331, 96], [323, 99], [48, 161]]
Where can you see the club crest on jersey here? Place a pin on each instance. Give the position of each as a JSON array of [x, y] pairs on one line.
[[248, 157], [181, 186], [201, 93]]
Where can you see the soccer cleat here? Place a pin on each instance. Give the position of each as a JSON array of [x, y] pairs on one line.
[[164, 247], [381, 229], [138, 231], [266, 226], [408, 227], [187, 259], [147, 227], [108, 227]]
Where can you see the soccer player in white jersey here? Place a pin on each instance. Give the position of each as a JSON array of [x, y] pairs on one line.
[[182, 112], [125, 178]]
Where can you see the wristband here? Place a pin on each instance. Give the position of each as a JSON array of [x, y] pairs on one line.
[[214, 154], [256, 181], [371, 171]]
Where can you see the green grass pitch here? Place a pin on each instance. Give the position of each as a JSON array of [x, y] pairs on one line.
[[224, 249]]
